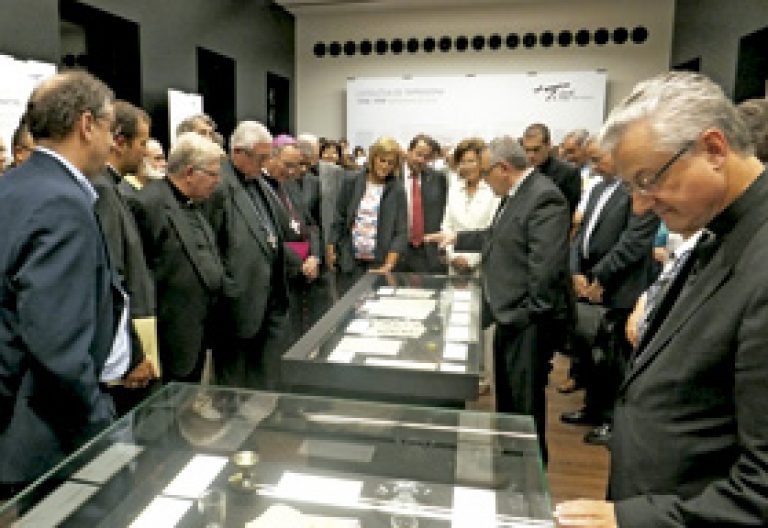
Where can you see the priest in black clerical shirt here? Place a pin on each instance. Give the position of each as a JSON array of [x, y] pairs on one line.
[[249, 235], [181, 252]]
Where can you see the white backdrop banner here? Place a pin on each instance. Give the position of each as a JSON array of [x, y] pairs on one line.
[[19, 78], [453, 108], [182, 105]]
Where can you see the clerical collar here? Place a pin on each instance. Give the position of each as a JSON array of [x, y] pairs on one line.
[[749, 200], [180, 196]]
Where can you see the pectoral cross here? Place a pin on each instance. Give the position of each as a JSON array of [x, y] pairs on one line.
[[295, 226]]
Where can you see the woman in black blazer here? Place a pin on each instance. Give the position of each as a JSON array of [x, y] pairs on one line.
[[370, 227]]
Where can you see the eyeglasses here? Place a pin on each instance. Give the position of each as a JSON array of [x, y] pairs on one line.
[[649, 183], [211, 173]]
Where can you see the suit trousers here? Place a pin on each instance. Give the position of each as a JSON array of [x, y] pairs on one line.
[[253, 362], [521, 367]]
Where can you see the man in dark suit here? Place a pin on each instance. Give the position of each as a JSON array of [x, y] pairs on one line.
[[612, 264], [181, 252], [538, 147], [250, 236], [126, 253], [307, 181], [525, 263], [62, 322], [426, 191], [689, 445]]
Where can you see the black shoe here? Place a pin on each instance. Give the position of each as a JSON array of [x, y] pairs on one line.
[[600, 435], [580, 417]]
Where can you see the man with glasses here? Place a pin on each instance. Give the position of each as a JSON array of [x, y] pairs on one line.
[[689, 445], [245, 217], [612, 264], [63, 323], [525, 273], [181, 251]]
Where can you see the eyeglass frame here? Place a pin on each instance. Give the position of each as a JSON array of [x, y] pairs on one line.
[[650, 184]]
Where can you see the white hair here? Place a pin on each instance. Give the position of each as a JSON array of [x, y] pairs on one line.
[[308, 138], [678, 106], [509, 150], [192, 149], [155, 144], [247, 134]]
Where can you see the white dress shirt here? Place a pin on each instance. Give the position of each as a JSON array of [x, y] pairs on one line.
[[465, 212], [119, 359]]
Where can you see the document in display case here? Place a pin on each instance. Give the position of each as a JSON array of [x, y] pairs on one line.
[[193, 456], [397, 337]]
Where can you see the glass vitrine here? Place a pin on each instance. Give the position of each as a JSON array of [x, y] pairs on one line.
[[195, 456]]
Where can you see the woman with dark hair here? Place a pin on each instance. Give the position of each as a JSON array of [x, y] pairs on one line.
[[471, 203], [330, 151], [370, 227]]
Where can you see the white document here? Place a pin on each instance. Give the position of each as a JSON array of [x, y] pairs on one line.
[[324, 490], [457, 333], [459, 319], [455, 351], [401, 308], [358, 326], [462, 295], [473, 508], [341, 356], [386, 290], [453, 367], [418, 293], [57, 506], [162, 511], [335, 450], [461, 306], [110, 461], [370, 345], [282, 516], [196, 476], [400, 363]]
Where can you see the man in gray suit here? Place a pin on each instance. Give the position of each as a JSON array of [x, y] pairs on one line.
[[690, 424], [250, 234], [525, 278], [62, 313], [131, 131]]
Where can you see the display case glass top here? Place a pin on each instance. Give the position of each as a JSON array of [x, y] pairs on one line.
[[400, 334], [271, 459]]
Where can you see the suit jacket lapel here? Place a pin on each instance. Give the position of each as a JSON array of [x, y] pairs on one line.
[[357, 196], [175, 214], [708, 281], [247, 209]]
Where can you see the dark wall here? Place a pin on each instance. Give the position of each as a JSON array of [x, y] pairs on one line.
[[29, 29], [257, 35], [711, 29]]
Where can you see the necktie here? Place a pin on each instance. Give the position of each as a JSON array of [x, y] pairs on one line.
[[658, 290], [417, 213]]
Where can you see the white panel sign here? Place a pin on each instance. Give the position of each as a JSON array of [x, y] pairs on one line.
[[181, 106], [19, 78], [453, 108]]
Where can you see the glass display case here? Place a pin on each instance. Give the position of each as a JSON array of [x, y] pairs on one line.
[[396, 337], [193, 456]]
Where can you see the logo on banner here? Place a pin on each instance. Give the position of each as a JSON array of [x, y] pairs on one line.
[[562, 91]]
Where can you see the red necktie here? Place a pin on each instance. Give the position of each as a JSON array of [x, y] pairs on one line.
[[417, 214]]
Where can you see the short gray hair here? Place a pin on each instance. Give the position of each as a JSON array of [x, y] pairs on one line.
[[194, 150], [678, 106], [509, 150], [247, 134], [754, 112], [580, 136], [308, 138], [188, 124]]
